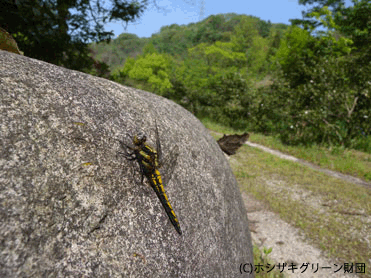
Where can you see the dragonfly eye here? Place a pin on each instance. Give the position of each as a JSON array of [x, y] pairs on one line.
[[139, 139]]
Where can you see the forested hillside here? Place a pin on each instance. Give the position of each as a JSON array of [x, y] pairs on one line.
[[305, 85]]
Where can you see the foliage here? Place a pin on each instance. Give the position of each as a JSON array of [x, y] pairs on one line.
[[264, 28], [274, 44], [329, 109], [210, 31], [230, 99], [210, 79], [176, 40], [339, 45], [354, 22], [244, 33], [319, 94], [8, 43], [58, 31], [149, 49], [296, 52], [116, 53], [257, 55], [219, 54], [211, 84], [299, 50], [151, 67], [326, 92], [173, 40], [308, 23]]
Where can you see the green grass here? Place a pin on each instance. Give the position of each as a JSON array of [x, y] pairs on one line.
[[261, 258], [331, 213], [334, 215], [209, 124], [346, 161]]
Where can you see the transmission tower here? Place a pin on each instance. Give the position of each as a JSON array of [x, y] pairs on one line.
[[202, 10]]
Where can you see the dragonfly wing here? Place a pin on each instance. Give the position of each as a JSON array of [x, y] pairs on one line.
[[158, 147], [128, 149], [169, 164]]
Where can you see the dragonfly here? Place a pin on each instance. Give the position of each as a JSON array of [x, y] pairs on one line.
[[150, 161]]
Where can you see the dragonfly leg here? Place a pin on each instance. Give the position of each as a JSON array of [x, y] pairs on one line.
[[142, 169], [129, 156]]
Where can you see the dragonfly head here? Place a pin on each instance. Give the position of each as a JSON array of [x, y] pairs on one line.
[[139, 139]]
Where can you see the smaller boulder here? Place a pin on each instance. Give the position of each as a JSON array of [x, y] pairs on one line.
[[231, 143]]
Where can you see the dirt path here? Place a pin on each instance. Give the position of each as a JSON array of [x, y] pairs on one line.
[[268, 230], [313, 166], [288, 246]]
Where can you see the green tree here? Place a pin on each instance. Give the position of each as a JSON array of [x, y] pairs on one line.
[[210, 30], [338, 45], [211, 82], [330, 108], [116, 53], [299, 49], [354, 22], [309, 23], [58, 31], [324, 80], [149, 48], [120, 74], [244, 33], [152, 68], [257, 55], [218, 54], [192, 77], [295, 53], [274, 44], [351, 22], [264, 28], [229, 98]]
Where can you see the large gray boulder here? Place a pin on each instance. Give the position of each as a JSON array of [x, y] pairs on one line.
[[70, 206]]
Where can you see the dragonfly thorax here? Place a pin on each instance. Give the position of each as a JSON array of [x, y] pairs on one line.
[[139, 139]]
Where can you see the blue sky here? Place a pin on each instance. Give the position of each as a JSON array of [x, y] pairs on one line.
[[188, 11]]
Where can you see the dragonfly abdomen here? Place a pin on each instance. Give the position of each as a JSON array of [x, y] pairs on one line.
[[158, 187]]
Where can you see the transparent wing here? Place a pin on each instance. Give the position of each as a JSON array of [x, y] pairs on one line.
[[158, 147], [169, 164]]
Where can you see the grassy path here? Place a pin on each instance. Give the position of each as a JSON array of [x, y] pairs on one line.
[[332, 214]]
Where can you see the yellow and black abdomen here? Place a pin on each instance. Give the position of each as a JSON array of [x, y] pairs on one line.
[[156, 183]]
